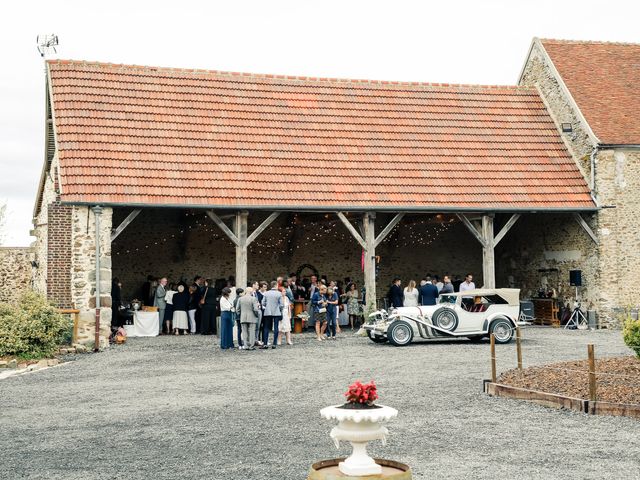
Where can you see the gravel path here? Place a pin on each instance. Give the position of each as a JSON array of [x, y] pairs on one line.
[[176, 408]]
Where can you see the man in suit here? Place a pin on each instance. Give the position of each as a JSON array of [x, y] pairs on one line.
[[272, 303], [395, 295], [428, 294], [159, 301]]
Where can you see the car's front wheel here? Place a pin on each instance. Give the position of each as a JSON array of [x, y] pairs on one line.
[[502, 330], [376, 338], [400, 333]]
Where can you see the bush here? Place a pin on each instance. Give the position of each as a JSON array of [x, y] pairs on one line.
[[32, 329], [631, 335]]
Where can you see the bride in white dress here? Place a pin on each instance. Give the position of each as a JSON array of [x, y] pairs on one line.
[[285, 324]]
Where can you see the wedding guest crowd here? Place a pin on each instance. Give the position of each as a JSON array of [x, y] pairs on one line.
[[428, 292], [262, 312]]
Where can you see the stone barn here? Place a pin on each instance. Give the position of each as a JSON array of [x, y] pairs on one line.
[[174, 172]]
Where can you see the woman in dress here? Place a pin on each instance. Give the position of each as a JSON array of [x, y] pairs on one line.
[[410, 295], [353, 304], [319, 305], [226, 320], [180, 306], [285, 324]]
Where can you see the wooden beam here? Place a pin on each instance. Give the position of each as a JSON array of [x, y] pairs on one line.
[[383, 234], [507, 226], [125, 223], [241, 228], [488, 253], [352, 229], [472, 229], [369, 225], [262, 227], [581, 221], [223, 226]]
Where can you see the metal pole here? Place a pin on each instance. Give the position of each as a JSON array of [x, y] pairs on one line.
[[592, 372], [494, 376], [97, 212], [519, 348]]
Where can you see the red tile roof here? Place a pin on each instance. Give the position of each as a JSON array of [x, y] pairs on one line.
[[603, 79], [142, 135]]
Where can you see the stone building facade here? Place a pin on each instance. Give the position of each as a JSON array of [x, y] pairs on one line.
[[611, 168], [172, 235], [64, 250]]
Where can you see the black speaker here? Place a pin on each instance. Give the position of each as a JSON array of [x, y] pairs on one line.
[[575, 278]]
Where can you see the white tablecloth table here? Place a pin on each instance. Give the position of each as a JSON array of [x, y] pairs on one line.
[[147, 324], [131, 330]]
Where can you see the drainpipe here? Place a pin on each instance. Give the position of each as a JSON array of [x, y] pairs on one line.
[[592, 182], [97, 213]]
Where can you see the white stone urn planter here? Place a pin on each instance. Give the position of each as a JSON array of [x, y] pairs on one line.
[[359, 426]]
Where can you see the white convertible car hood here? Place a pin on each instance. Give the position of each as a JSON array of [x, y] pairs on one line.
[[421, 310]]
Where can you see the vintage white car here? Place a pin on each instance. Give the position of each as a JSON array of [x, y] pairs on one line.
[[474, 314]]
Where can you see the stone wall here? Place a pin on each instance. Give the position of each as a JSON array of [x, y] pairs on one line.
[[170, 243], [617, 182], [618, 189], [538, 72], [548, 242], [83, 272], [16, 272]]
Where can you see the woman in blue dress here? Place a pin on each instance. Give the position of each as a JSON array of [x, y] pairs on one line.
[[226, 320]]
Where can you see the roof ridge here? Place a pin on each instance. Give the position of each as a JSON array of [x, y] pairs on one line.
[[587, 42], [246, 75]]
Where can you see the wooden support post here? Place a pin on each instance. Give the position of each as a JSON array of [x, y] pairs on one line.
[[240, 238], [368, 241], [592, 372], [240, 231], [488, 253], [519, 347], [369, 229], [484, 235], [494, 374]]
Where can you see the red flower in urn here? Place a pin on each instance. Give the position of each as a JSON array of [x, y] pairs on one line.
[[361, 396]]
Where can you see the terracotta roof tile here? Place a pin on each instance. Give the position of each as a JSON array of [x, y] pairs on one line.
[[146, 135], [603, 80]]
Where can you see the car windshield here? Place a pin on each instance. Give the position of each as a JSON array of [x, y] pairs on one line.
[[448, 299]]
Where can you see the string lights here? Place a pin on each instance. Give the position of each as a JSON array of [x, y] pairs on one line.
[[302, 232]]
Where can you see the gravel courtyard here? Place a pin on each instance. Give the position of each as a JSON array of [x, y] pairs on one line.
[[177, 408]]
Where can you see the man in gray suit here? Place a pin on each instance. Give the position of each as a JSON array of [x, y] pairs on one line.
[[159, 301], [272, 303]]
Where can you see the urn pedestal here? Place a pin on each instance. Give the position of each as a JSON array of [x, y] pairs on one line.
[[358, 427]]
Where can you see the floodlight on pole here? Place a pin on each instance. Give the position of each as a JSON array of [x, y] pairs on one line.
[[47, 43]]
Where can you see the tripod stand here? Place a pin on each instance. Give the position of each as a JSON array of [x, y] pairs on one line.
[[577, 319]]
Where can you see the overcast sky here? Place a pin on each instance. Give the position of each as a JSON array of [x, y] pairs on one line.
[[456, 42]]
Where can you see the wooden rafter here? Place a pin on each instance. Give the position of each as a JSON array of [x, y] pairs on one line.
[[582, 222], [125, 223]]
